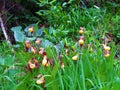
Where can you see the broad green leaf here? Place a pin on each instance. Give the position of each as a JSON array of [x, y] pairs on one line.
[[46, 43], [18, 34], [58, 47], [16, 28], [39, 32]]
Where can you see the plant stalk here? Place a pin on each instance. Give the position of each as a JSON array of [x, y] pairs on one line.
[[4, 32]]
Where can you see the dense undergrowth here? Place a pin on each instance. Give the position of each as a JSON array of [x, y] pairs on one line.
[[76, 49]]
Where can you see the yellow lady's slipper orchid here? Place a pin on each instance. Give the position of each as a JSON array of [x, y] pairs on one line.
[[33, 50], [32, 65], [27, 44], [107, 48], [81, 31], [107, 55], [40, 81], [75, 57], [37, 41], [81, 42], [44, 61], [41, 50], [31, 29]]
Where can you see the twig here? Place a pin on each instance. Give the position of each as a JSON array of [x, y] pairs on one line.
[[4, 31], [8, 9], [7, 20]]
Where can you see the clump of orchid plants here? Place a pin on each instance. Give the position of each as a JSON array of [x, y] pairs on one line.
[[44, 61], [34, 63]]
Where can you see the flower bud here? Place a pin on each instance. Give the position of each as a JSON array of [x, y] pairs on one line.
[[91, 50], [62, 65], [82, 37], [81, 28], [66, 51]]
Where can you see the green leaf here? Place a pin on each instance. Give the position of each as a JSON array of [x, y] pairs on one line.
[[18, 34], [55, 70], [8, 60], [39, 13], [2, 61], [46, 43], [35, 29], [51, 29], [1, 69], [39, 32]]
